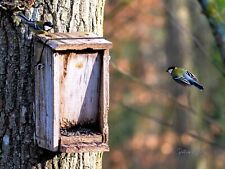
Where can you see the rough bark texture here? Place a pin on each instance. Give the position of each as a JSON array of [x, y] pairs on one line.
[[17, 136]]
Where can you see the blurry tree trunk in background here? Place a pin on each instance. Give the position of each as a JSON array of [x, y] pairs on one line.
[[17, 125], [211, 9], [201, 53], [179, 53]]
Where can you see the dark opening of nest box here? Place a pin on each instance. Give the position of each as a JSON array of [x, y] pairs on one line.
[[72, 92]]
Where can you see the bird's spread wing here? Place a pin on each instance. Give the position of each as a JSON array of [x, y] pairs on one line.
[[32, 24], [191, 75], [182, 80]]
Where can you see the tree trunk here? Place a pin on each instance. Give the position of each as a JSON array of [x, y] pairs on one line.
[[17, 134], [179, 52]]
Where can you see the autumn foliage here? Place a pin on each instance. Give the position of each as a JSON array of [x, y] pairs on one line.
[[154, 122]]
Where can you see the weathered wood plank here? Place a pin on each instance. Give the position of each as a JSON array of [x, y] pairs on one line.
[[71, 41], [104, 96], [56, 94], [84, 147], [37, 101], [42, 119], [81, 139], [40, 103], [39, 46], [48, 101], [47, 127], [52, 120]]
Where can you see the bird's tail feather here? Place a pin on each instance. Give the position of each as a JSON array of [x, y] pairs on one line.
[[23, 18], [196, 84]]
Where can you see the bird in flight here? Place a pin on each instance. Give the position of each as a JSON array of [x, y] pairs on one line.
[[184, 77]]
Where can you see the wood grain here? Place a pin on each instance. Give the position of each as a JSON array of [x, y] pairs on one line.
[[47, 135], [74, 41], [79, 88], [97, 138], [84, 147]]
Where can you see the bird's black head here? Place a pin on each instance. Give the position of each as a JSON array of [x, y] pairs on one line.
[[170, 69], [47, 26]]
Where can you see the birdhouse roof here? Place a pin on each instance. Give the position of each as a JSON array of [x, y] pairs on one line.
[[73, 41]]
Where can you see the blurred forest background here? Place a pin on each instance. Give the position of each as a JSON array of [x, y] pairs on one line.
[[154, 122]]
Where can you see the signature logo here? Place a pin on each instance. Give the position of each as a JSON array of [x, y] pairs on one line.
[[183, 151]]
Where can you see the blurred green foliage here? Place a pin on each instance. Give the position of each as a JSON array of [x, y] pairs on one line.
[[122, 126]]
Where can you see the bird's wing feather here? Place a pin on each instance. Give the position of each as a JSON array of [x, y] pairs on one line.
[[32, 24], [191, 75], [182, 80]]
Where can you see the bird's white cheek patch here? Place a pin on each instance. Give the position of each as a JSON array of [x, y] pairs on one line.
[[47, 28], [170, 71]]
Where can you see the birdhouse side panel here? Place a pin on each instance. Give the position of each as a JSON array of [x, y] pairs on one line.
[[40, 91], [40, 106], [104, 96], [52, 132], [44, 85]]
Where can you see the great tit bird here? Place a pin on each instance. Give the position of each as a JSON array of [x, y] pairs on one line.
[[38, 27], [184, 77]]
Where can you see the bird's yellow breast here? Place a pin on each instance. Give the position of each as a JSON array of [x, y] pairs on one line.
[[178, 72]]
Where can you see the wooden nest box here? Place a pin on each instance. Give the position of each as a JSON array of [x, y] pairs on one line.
[[72, 92]]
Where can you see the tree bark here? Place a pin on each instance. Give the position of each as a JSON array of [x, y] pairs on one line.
[[17, 134]]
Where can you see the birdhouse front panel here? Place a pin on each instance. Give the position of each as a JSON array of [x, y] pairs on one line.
[[71, 92]]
